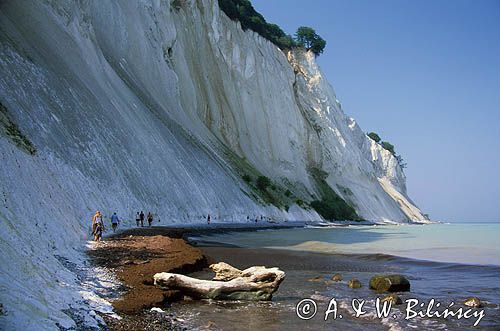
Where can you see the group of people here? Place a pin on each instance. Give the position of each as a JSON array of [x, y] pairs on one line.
[[139, 218], [98, 223]]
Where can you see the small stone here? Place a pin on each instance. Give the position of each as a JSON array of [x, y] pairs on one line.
[[337, 278], [316, 279], [157, 310], [389, 283], [473, 302], [354, 283], [210, 324], [393, 299]]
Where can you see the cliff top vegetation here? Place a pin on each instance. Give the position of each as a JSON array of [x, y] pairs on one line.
[[249, 18]]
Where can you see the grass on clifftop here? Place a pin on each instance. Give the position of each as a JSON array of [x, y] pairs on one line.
[[11, 130]]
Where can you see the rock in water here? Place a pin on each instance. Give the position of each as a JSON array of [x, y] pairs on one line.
[[354, 283], [255, 283], [473, 302], [389, 283], [337, 278], [393, 299]]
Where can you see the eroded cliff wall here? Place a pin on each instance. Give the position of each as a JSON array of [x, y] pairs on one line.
[[140, 105]]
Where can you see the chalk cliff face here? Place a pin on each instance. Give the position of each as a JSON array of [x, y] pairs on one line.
[[278, 112], [146, 105]]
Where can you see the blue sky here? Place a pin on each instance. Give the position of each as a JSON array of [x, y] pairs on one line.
[[425, 75]]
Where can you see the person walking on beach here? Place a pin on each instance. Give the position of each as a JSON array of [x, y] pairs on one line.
[[141, 218], [150, 218], [208, 219], [114, 221], [137, 218], [97, 226], [96, 219]]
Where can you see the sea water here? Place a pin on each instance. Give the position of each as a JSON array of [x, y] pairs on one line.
[[471, 243], [445, 264]]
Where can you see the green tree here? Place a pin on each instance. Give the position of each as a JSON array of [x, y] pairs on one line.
[[285, 42], [230, 8], [388, 146], [374, 136], [318, 45], [308, 38], [274, 30], [243, 11], [305, 36]]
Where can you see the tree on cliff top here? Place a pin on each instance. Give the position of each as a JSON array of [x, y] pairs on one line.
[[374, 136], [308, 38], [388, 146], [249, 18]]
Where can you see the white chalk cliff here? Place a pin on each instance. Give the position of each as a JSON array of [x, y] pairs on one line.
[[142, 105]]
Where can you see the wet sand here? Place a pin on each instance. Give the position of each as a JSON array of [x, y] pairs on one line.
[[286, 260], [135, 255]]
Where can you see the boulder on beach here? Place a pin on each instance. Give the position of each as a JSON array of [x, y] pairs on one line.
[[254, 283], [389, 283], [394, 299], [354, 283], [337, 278], [473, 302]]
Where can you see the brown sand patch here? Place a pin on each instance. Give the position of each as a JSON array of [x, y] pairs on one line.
[[135, 260]]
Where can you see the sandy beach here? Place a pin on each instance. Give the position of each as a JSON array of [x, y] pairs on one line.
[[135, 255]]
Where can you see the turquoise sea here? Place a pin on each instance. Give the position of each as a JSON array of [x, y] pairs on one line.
[[444, 262], [470, 243]]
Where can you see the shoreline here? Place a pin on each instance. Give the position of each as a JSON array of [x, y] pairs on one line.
[[134, 255], [149, 257]]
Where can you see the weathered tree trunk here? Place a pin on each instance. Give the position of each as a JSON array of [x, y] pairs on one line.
[[255, 283]]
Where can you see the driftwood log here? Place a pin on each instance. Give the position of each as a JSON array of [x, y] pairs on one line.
[[229, 283]]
